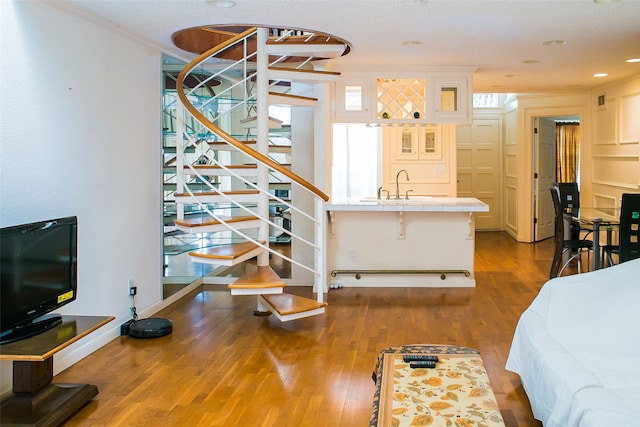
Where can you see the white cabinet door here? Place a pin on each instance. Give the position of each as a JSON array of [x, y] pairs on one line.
[[414, 142], [353, 100], [450, 100]]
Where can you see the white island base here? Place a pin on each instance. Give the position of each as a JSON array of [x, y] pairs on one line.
[[426, 242]]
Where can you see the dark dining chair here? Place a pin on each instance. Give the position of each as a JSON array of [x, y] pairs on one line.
[[569, 195], [575, 246], [628, 246], [570, 201]]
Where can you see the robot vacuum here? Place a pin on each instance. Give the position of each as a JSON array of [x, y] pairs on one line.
[[152, 327]]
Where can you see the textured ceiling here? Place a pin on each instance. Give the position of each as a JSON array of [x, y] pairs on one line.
[[497, 37]]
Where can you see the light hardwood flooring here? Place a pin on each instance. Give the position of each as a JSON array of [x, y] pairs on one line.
[[222, 366]]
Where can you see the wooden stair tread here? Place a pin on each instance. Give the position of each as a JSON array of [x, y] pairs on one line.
[[216, 193], [255, 118], [260, 277], [305, 40], [252, 122], [306, 48], [228, 252], [207, 220], [222, 143], [253, 166], [292, 96], [301, 70], [287, 304]]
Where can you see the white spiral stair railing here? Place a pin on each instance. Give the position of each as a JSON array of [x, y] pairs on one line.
[[238, 181]]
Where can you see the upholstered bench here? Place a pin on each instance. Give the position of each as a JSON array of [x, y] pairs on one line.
[[456, 392]]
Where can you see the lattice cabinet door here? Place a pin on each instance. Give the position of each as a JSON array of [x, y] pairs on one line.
[[401, 99]]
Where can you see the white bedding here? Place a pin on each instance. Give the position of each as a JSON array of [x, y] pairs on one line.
[[577, 349]]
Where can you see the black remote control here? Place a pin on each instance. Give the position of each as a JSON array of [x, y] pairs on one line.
[[422, 364], [419, 357]]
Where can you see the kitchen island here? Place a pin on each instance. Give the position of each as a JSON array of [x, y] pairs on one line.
[[419, 242]]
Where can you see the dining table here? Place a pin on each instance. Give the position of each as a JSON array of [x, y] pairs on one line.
[[597, 220]]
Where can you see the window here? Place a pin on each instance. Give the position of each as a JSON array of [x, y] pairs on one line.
[[488, 100], [354, 172]]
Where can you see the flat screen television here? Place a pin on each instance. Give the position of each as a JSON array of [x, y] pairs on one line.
[[38, 274]]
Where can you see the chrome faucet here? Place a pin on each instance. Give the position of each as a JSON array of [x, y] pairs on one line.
[[397, 185], [382, 190]]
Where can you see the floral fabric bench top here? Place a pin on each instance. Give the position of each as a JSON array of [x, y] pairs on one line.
[[455, 393]]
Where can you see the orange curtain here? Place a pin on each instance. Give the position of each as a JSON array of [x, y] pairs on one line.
[[567, 150]]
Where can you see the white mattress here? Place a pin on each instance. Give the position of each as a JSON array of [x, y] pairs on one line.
[[577, 349]]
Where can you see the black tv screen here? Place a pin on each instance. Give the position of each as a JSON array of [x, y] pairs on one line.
[[38, 274]]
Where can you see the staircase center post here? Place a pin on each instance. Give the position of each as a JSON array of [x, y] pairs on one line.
[[180, 147], [262, 139]]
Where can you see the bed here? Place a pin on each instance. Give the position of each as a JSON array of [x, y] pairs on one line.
[[577, 349]]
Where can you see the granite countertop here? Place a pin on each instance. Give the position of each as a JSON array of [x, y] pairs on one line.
[[414, 204]]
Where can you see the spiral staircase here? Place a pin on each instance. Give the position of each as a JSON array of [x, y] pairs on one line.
[[225, 143]]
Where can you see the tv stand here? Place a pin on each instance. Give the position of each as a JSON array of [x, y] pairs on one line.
[[35, 327], [36, 401]]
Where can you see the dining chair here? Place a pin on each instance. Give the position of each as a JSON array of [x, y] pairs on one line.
[[628, 246], [575, 246], [570, 201], [569, 195]]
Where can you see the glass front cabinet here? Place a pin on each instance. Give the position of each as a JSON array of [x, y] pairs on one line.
[[422, 97], [414, 142], [353, 100], [451, 100]]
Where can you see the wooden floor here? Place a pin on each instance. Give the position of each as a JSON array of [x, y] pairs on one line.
[[222, 366]]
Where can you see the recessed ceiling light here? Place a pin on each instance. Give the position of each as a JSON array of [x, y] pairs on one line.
[[221, 3], [411, 43], [633, 60], [554, 43], [600, 75], [531, 61]]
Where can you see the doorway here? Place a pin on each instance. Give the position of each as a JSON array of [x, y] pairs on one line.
[[554, 161]]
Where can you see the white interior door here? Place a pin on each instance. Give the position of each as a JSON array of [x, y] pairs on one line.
[[479, 158], [545, 176]]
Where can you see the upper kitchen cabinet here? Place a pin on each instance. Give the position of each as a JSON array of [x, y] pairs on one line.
[[353, 100], [450, 100], [433, 95]]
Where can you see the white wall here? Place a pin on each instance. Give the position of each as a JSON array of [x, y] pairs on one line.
[[303, 148], [520, 172], [510, 168], [609, 153], [611, 166], [80, 135]]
